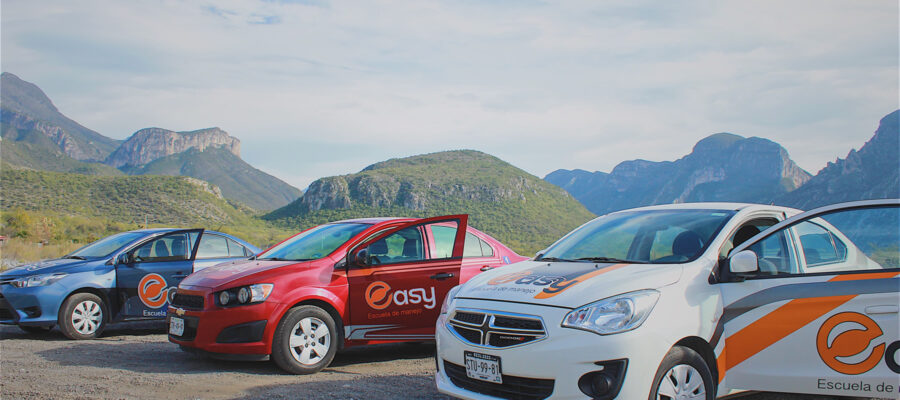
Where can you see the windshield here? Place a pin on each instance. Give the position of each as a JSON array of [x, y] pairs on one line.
[[106, 246], [654, 237], [314, 243]]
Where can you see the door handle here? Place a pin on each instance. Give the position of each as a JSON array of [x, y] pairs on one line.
[[486, 268], [883, 309], [179, 276], [441, 276]]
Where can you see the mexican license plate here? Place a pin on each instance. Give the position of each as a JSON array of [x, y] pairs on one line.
[[484, 367], [176, 326]]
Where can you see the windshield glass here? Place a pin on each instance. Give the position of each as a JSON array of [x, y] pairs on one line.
[[106, 246], [655, 237], [315, 243]]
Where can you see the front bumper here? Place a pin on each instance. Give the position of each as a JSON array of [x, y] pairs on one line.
[[219, 332], [31, 306], [560, 359]]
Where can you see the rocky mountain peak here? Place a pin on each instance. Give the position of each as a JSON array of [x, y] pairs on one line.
[[150, 144]]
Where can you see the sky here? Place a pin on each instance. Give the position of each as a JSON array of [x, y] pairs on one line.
[[316, 88]]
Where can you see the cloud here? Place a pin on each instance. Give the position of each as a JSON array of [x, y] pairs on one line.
[[543, 85]]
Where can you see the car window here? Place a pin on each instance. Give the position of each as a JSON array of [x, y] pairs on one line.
[[646, 236], [235, 249], [486, 249], [843, 240], [746, 231], [775, 255], [820, 246], [472, 247], [212, 246], [172, 247], [408, 244], [443, 240]]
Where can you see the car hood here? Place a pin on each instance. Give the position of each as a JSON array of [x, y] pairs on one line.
[[45, 267], [567, 284], [221, 274]]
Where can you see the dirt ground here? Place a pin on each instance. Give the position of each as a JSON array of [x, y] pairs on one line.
[[136, 361]]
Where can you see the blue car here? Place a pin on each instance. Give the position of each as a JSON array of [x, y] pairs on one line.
[[126, 276]]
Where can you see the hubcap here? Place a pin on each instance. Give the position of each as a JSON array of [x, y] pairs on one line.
[[310, 341], [86, 317], [682, 382]]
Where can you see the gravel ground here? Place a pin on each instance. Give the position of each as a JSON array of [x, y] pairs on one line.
[[136, 361]]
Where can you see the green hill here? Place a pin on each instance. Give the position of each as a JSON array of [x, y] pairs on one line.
[[237, 179], [130, 200], [32, 150], [521, 210]]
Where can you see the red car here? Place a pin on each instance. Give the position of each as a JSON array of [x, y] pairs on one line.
[[342, 284]]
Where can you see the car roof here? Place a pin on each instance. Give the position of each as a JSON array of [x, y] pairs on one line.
[[372, 220], [714, 206]]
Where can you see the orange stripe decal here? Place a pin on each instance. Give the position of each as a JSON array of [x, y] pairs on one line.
[[562, 286], [783, 321]]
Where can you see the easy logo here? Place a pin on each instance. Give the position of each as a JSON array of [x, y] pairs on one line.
[[849, 342], [378, 296], [152, 290]]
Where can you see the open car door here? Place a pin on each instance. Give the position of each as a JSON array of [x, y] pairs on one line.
[[811, 304], [397, 284]]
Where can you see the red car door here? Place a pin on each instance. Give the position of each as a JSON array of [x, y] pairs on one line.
[[397, 285]]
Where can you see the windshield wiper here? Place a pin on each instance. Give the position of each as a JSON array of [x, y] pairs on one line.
[[609, 260], [284, 259], [76, 257], [552, 259]]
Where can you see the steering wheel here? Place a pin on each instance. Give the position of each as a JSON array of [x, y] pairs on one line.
[[374, 260]]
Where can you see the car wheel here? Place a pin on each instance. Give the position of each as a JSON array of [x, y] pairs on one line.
[[82, 316], [35, 329], [683, 375], [305, 340]]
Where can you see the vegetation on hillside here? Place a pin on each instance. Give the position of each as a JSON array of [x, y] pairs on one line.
[[33, 150], [66, 210], [237, 179], [519, 209]]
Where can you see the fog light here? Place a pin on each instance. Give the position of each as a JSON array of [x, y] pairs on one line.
[[605, 383]]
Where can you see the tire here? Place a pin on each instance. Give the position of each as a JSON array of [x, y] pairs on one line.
[[683, 374], [82, 316], [36, 330], [313, 333]]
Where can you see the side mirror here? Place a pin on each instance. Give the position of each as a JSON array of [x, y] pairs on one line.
[[744, 262], [361, 257]]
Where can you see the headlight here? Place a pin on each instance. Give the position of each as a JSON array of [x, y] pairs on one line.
[[244, 295], [617, 314], [37, 280], [449, 299]]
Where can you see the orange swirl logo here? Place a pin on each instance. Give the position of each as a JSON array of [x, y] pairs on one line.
[[378, 295], [849, 342], [152, 290]]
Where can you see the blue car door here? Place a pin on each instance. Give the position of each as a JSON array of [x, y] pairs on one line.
[[149, 273]]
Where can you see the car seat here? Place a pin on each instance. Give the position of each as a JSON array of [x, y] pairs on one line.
[[411, 250], [161, 249], [744, 234], [379, 250], [143, 253], [178, 247]]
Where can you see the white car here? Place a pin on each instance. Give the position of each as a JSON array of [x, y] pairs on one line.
[[687, 301]]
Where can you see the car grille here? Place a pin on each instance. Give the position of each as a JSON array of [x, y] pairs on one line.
[[513, 387], [495, 329], [188, 301]]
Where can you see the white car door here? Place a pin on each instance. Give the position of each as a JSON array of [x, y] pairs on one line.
[[818, 313]]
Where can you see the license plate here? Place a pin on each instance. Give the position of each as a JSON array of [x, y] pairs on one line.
[[176, 326], [483, 367]]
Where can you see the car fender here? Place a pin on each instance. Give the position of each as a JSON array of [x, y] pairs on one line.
[[303, 295]]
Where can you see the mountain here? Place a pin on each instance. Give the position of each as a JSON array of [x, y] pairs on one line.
[[27, 114], [150, 144], [721, 167], [221, 167], [158, 199], [515, 207], [873, 172]]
